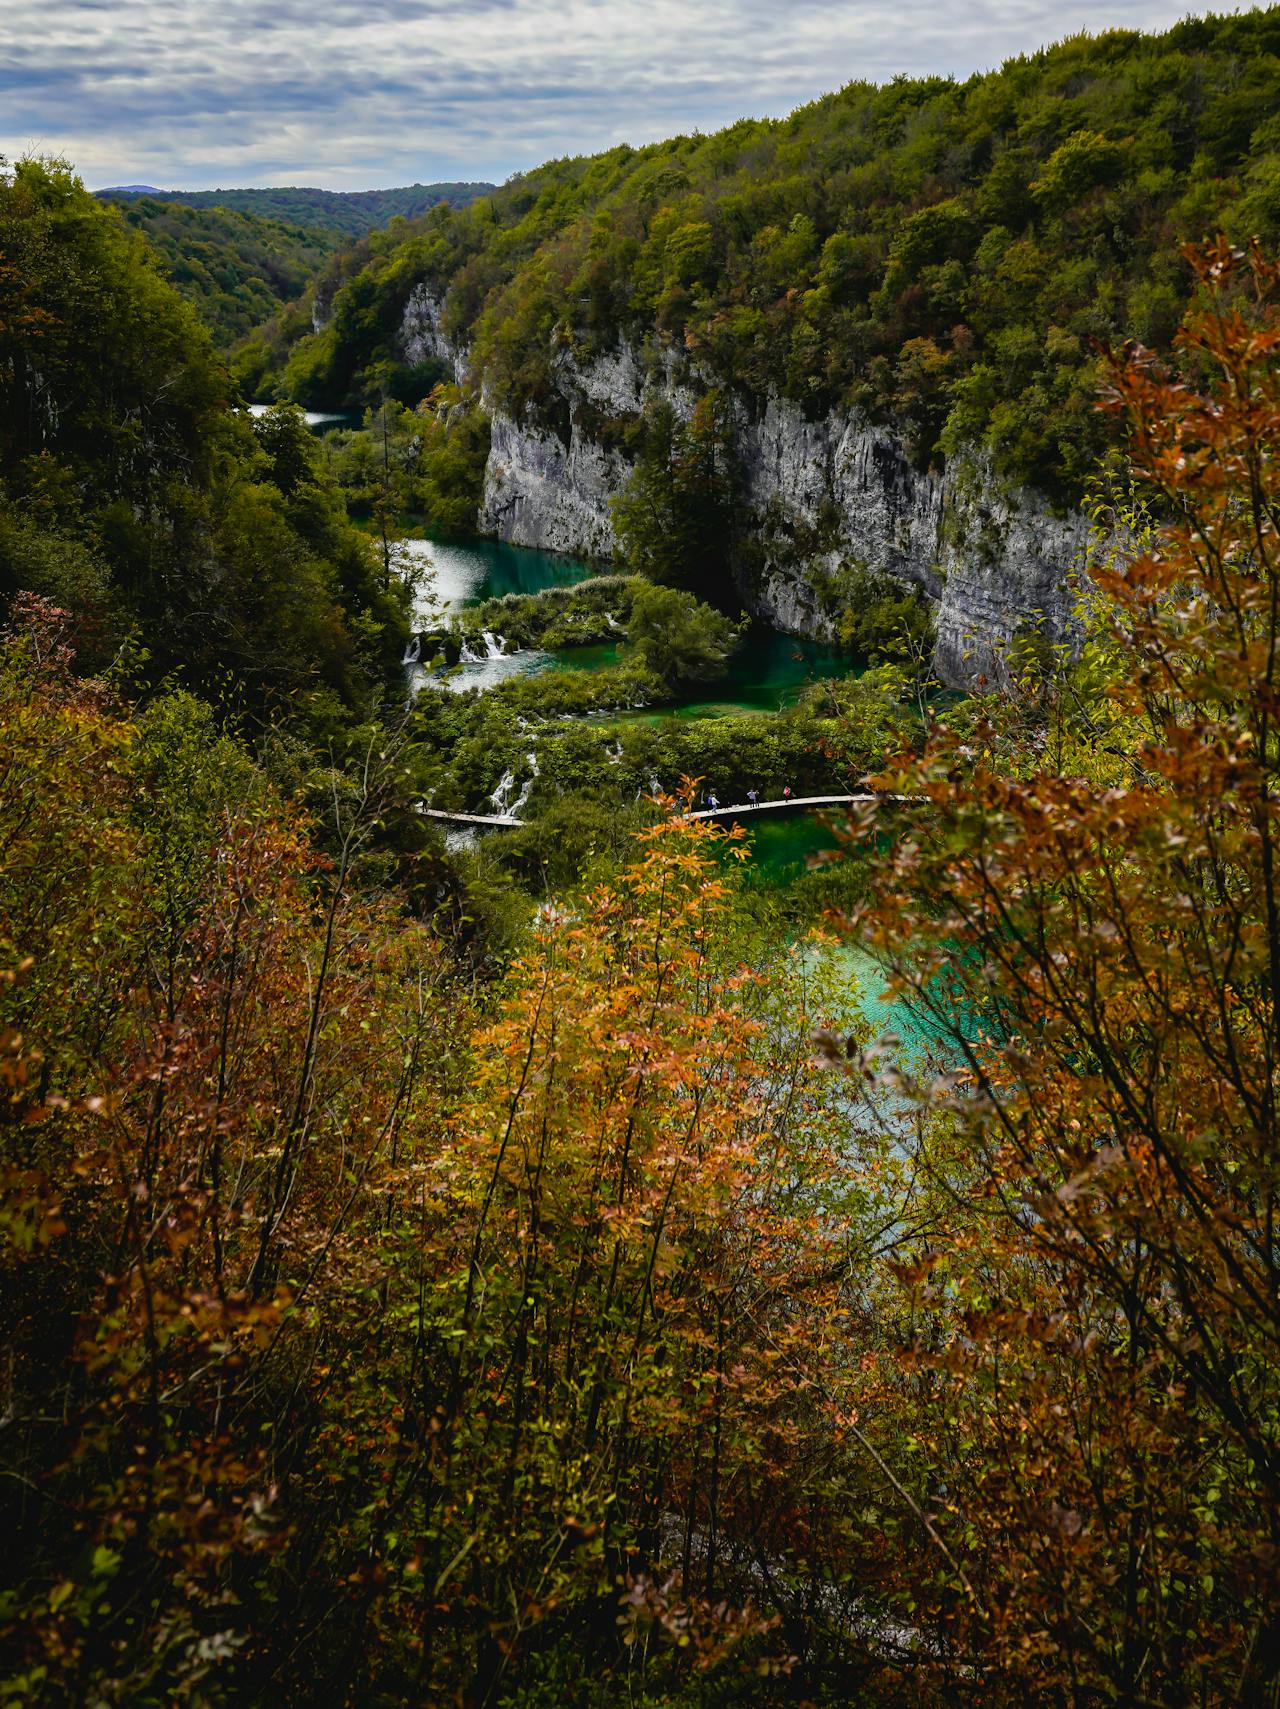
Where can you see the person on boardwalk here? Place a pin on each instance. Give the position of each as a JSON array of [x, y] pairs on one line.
[[713, 800], [786, 792], [753, 797]]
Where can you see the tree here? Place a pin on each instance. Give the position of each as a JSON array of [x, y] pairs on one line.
[[1090, 1317], [211, 1049], [220, 542], [677, 638], [675, 519]]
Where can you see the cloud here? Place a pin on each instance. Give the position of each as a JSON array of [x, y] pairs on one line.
[[193, 93]]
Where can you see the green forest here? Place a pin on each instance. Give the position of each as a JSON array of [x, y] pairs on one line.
[[235, 268], [239, 255], [944, 255], [630, 1252], [347, 213]]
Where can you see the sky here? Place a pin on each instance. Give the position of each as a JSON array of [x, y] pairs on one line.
[[357, 94]]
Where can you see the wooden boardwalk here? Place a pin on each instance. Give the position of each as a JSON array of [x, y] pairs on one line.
[[736, 810], [470, 818], [740, 809]]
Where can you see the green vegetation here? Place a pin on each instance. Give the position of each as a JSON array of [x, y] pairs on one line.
[[131, 493], [236, 269], [410, 1295], [677, 638], [679, 515], [538, 730], [426, 462], [586, 614], [941, 255], [671, 636], [875, 616], [346, 213]]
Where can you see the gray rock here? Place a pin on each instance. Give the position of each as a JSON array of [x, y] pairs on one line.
[[993, 560]]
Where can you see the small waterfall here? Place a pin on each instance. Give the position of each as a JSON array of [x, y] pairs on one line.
[[413, 652], [474, 652], [526, 788], [501, 796]]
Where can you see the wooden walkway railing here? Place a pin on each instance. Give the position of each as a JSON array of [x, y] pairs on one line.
[[734, 810]]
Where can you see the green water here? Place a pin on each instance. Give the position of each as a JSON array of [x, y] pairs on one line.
[[781, 847], [766, 673], [782, 843], [467, 572]]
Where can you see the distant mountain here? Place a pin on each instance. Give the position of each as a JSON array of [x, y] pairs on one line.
[[348, 212]]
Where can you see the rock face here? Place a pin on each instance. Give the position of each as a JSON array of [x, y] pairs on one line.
[[422, 337], [994, 561]]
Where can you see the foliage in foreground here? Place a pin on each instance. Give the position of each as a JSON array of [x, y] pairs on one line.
[[1097, 1319], [362, 1349], [329, 1381]]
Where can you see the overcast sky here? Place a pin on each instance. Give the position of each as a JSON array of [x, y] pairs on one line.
[[362, 93]]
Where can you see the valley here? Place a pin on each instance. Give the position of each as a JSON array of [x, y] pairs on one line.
[[639, 816]]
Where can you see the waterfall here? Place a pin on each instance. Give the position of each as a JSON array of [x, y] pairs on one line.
[[489, 646], [501, 799], [501, 794], [526, 788], [413, 652]]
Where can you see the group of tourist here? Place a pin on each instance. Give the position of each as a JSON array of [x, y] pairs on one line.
[[753, 798]]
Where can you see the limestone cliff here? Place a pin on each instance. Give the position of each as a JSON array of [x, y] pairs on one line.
[[994, 561]]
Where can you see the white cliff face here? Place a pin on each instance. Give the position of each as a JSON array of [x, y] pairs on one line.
[[994, 561], [422, 338], [540, 492]]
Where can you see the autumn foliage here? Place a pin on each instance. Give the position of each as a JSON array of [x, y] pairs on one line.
[[636, 1330], [1096, 1315]]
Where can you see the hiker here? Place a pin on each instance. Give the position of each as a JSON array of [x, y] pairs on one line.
[[713, 800], [786, 792], [753, 796]]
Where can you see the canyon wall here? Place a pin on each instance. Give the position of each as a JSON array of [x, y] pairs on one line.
[[994, 561]]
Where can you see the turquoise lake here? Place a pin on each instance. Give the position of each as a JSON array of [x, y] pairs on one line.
[[768, 672]]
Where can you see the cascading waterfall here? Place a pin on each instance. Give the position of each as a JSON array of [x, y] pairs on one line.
[[489, 647], [501, 800], [526, 788], [501, 796], [413, 652]]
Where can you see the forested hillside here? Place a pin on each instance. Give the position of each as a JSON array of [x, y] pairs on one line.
[[941, 255], [133, 495], [235, 268], [627, 1325], [348, 212], [560, 1263]]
